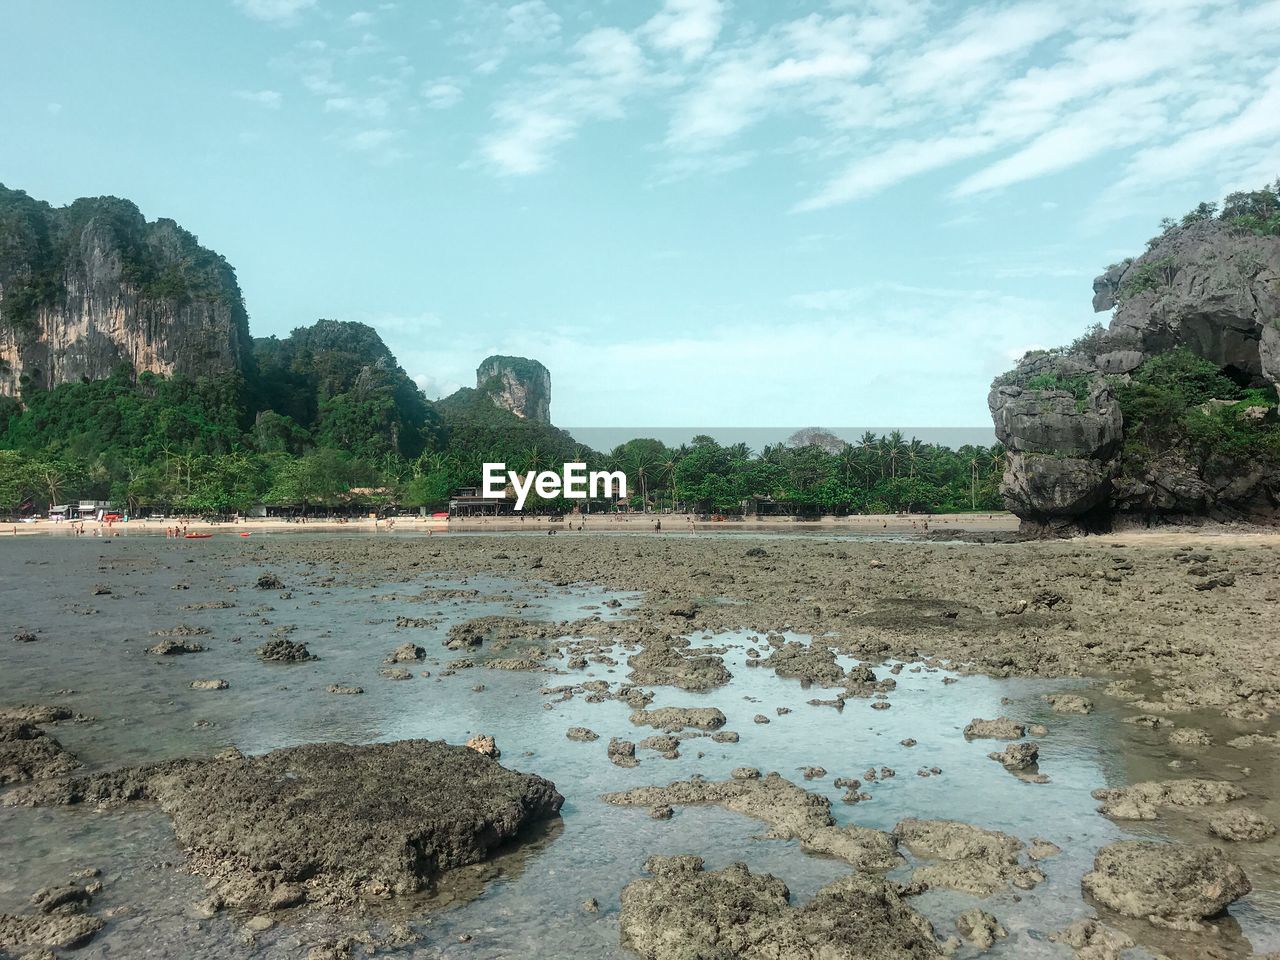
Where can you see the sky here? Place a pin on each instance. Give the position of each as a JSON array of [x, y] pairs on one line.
[[730, 213]]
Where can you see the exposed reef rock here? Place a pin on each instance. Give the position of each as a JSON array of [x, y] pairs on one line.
[[87, 287], [327, 823], [518, 385], [682, 911], [791, 812], [1168, 884]]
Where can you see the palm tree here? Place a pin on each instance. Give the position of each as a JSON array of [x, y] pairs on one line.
[[667, 472], [894, 445], [869, 444]]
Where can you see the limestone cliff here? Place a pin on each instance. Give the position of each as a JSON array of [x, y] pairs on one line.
[[518, 385], [1170, 412], [1209, 287], [87, 287]]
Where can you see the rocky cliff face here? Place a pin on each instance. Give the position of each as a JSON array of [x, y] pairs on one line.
[[517, 384], [87, 287], [1208, 287], [1062, 441], [1077, 461]]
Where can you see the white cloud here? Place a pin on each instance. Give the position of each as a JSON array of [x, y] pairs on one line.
[[374, 108], [531, 22], [537, 116], [270, 99], [379, 144], [686, 27], [441, 94], [275, 11]]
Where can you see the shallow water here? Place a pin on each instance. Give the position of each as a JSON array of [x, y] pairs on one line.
[[94, 645]]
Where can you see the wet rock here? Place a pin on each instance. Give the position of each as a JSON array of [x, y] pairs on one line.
[[396, 673], [209, 684], [60, 931], [37, 713], [590, 905], [1191, 737], [25, 636], [29, 753], [809, 662], [675, 719], [759, 718], [1041, 849], [301, 815], [744, 773], [269, 581], [666, 662], [1091, 940], [344, 690], [791, 812], [1001, 728], [682, 911], [406, 653], [666, 745], [661, 812], [622, 752], [1241, 826], [813, 773], [980, 928], [1165, 883], [581, 734], [1068, 703], [414, 623], [1141, 801], [280, 650], [484, 745], [1018, 756], [969, 858], [725, 736], [172, 648]]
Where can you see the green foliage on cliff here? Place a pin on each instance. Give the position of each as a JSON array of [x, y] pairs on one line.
[[160, 261], [1169, 405], [1255, 211], [339, 382]]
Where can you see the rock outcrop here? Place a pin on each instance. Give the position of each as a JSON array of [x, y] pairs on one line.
[[683, 911], [90, 286], [326, 823], [1061, 425], [1208, 289], [517, 385], [1207, 286]]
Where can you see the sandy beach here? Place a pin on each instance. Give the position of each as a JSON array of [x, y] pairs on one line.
[[869, 524]]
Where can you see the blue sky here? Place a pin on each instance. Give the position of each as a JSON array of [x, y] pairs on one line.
[[692, 211]]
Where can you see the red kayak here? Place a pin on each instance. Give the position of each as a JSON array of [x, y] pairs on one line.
[[196, 536]]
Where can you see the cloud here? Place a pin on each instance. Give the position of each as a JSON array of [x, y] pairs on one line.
[[275, 11], [269, 99], [380, 144], [686, 27], [531, 22], [441, 94], [369, 107], [542, 113]]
